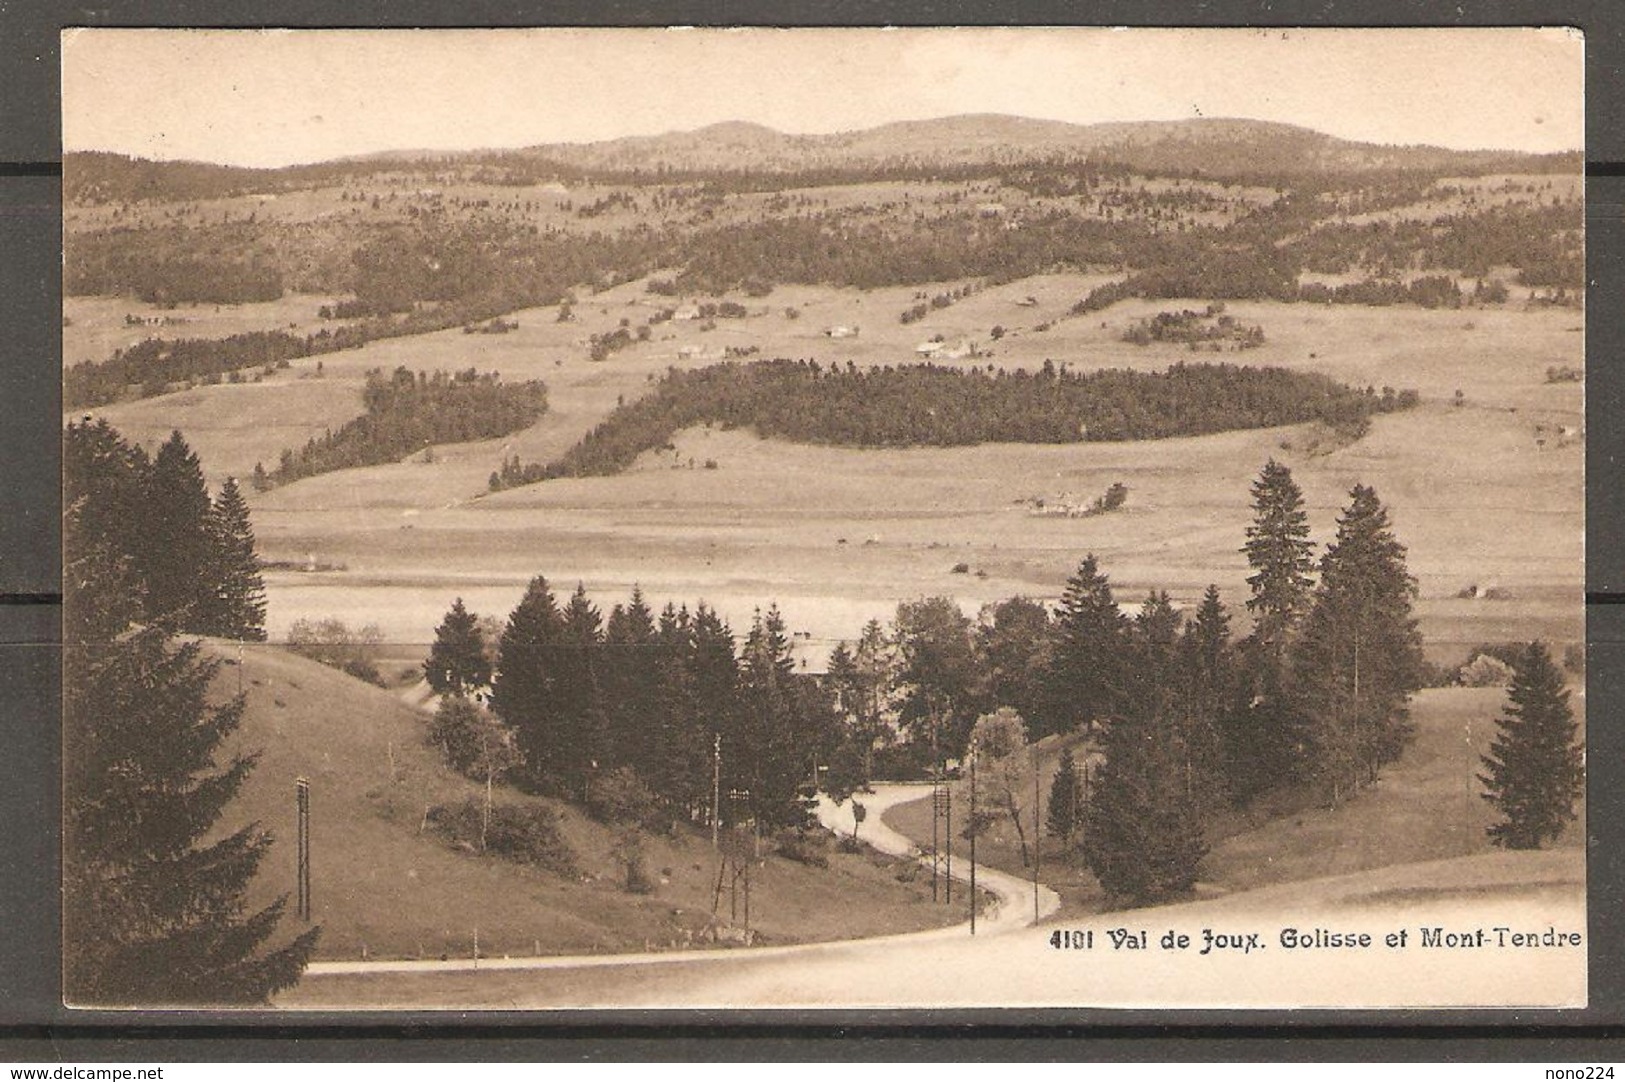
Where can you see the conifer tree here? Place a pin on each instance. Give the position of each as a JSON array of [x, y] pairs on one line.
[[154, 897], [238, 609], [1142, 833], [1281, 555], [176, 541], [681, 745], [457, 662], [629, 677], [1084, 682], [1064, 811], [1209, 680], [713, 673], [583, 725], [773, 749], [522, 689], [1534, 773], [1359, 656], [1143, 825]]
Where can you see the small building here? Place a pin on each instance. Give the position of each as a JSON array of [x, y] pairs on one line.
[[840, 330]]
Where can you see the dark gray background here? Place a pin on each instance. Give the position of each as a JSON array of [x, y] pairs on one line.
[[33, 1023]]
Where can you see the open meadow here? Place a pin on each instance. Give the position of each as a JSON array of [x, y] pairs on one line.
[[1485, 490]]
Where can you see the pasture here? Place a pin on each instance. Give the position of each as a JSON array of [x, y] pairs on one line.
[[836, 535]]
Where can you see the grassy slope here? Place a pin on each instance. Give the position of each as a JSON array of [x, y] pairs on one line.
[[378, 884], [1471, 496], [1426, 807]]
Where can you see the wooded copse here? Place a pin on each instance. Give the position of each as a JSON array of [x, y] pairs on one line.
[[943, 406], [407, 412], [1181, 718]]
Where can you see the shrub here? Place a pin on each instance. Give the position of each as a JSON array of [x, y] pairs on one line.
[[619, 796], [523, 833], [804, 847], [334, 644], [1574, 658], [1485, 671]]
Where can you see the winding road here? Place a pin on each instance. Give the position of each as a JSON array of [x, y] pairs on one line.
[[1129, 959]]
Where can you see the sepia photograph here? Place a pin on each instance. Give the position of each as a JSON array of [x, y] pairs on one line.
[[846, 519]]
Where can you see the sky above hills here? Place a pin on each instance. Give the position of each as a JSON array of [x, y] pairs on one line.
[[269, 98]]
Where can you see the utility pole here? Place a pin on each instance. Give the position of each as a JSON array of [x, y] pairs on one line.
[[302, 800], [716, 786], [1038, 832], [974, 823]]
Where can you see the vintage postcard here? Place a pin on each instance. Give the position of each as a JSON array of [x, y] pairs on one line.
[[933, 518]]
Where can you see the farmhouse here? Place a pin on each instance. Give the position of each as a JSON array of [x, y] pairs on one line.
[[840, 331]]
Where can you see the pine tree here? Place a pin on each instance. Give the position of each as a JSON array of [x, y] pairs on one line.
[[1065, 808], [713, 673], [154, 913], [1359, 656], [1534, 773], [1142, 826], [578, 694], [1084, 681], [1209, 679], [457, 663], [238, 608], [630, 680], [1281, 555], [681, 745], [1263, 739], [176, 541], [774, 745], [522, 687]]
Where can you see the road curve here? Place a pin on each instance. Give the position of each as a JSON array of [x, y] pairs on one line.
[[1012, 907]]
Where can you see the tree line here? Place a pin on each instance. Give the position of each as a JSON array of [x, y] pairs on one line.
[[154, 895], [405, 413], [636, 715], [188, 559], [943, 406]]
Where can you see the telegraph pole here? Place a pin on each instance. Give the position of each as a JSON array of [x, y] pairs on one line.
[[302, 800], [1038, 832], [974, 822], [716, 786]]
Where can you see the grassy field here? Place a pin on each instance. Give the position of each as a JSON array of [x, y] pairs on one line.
[[384, 888], [837, 536], [1426, 807]]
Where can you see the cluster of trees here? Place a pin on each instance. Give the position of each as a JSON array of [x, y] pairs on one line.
[[631, 714], [1183, 718], [1209, 327], [154, 893], [935, 405], [407, 412], [188, 560], [152, 367]]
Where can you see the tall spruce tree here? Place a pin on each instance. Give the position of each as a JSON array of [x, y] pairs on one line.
[[1142, 831], [1208, 681], [1281, 555], [154, 897], [237, 610], [630, 677], [1264, 744], [1083, 685], [1064, 811], [713, 671], [681, 745], [1359, 655], [176, 541], [578, 694], [773, 751], [457, 662], [1143, 825], [1534, 773], [522, 687]]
